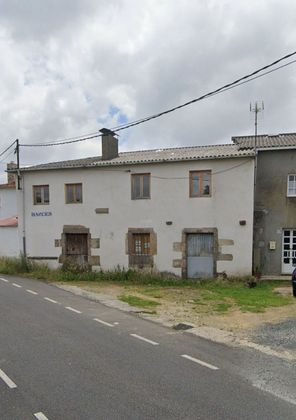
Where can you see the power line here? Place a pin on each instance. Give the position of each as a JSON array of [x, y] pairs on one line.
[[214, 92], [2, 153], [242, 80], [61, 142], [9, 154]]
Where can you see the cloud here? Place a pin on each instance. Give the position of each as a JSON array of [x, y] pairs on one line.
[[70, 66]]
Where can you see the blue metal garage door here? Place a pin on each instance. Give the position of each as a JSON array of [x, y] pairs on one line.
[[200, 255]]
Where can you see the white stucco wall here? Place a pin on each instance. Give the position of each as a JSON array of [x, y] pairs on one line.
[[8, 204], [231, 201], [9, 246], [9, 242]]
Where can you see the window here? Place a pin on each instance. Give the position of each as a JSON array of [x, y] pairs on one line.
[[200, 184], [141, 244], [73, 193], [41, 194], [291, 187], [140, 186]]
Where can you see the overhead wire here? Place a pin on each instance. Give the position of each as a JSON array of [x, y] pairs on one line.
[[9, 154], [61, 142], [228, 86], [242, 80], [2, 153]]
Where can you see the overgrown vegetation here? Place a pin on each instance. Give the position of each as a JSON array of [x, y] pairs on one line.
[[73, 272], [206, 296]]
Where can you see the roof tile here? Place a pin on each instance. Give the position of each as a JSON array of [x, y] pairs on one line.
[[221, 151], [285, 140]]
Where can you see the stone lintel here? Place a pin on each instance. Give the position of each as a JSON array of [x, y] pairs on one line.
[[178, 263], [177, 246], [225, 242], [225, 257], [95, 242], [102, 210], [94, 260]]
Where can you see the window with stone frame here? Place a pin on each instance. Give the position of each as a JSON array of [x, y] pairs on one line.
[[141, 247], [40, 194]]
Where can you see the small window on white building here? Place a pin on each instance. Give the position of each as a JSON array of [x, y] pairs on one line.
[[200, 183], [291, 187], [140, 186], [41, 194], [73, 193]]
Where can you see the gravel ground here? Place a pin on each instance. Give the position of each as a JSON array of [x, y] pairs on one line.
[[277, 336]]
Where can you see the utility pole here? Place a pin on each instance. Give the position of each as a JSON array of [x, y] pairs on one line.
[[256, 109]]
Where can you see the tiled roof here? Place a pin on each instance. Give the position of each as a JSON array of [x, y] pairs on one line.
[[179, 154], [7, 186], [9, 222], [287, 140]]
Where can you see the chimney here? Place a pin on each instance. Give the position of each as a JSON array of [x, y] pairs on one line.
[[109, 144], [10, 175]]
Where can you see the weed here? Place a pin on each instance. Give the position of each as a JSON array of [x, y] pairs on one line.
[[136, 301]]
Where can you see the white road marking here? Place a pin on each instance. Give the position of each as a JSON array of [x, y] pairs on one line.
[[6, 281], [40, 416], [7, 380], [50, 300], [31, 291], [103, 322], [115, 323], [145, 339], [73, 310], [16, 285], [200, 362]]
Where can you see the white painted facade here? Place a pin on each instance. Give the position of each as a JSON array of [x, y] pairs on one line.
[[8, 234], [8, 202], [9, 246], [231, 201]]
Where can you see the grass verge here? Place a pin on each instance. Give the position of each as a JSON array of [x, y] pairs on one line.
[[205, 296], [137, 301]]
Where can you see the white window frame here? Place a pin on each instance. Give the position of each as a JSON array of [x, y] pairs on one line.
[[291, 186]]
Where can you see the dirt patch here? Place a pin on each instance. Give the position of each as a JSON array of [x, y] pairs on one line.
[[183, 306]]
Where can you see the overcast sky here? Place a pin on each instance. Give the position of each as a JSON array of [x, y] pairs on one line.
[[71, 67]]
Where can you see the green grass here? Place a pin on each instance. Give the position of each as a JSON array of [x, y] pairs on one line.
[[136, 301], [212, 295], [256, 299], [221, 307], [155, 293]]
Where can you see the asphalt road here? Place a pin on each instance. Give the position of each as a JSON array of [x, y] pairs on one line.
[[64, 357]]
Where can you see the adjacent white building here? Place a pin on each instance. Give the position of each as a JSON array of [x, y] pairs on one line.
[[8, 218], [187, 211]]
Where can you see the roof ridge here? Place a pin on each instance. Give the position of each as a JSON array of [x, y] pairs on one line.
[[178, 148], [264, 135]]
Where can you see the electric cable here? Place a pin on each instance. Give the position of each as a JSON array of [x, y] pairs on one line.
[[212, 93], [2, 153], [242, 80]]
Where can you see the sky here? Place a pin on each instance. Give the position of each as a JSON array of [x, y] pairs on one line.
[[71, 67]]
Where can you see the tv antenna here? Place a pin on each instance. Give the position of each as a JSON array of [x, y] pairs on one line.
[[256, 108]]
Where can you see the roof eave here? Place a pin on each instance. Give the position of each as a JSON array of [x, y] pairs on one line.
[[248, 154]]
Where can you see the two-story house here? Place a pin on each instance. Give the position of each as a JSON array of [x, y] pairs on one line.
[[275, 201], [188, 210]]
